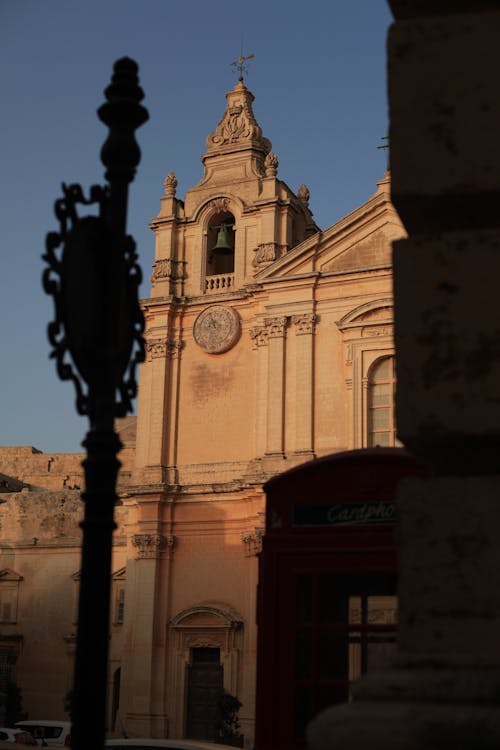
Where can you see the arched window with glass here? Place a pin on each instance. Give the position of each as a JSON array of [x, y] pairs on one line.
[[381, 402]]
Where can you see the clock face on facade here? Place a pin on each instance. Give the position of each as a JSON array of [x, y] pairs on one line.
[[217, 329]]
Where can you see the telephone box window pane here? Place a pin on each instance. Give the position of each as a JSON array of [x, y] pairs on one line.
[[354, 610], [304, 596], [380, 653], [328, 695], [355, 664], [303, 709], [382, 610], [333, 648], [303, 655], [332, 601]]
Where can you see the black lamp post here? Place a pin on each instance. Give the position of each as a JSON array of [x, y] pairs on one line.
[[94, 278]]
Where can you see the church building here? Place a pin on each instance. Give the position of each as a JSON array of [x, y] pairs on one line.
[[269, 342]]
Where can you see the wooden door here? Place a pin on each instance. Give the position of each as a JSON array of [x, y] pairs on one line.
[[205, 680]]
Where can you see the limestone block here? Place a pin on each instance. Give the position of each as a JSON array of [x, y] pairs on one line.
[[402, 725], [444, 78], [449, 563], [447, 333]]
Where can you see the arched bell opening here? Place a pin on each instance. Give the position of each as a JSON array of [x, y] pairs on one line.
[[220, 244]]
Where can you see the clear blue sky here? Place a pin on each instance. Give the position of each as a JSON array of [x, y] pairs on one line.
[[320, 96]]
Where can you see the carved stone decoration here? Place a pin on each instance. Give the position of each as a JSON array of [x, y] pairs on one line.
[[220, 205], [304, 323], [266, 252], [303, 194], [166, 268], [208, 640], [238, 125], [259, 336], [170, 183], [252, 541], [156, 348], [370, 331], [217, 329], [150, 545], [276, 327], [174, 348], [271, 163]]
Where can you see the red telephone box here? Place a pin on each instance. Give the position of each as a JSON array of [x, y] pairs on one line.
[[327, 609]]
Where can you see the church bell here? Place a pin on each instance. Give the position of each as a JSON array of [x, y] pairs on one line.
[[223, 246]]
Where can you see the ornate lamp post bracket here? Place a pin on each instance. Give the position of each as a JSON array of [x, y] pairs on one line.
[[92, 270], [96, 337]]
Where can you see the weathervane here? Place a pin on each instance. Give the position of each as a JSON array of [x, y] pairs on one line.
[[240, 65], [385, 147]]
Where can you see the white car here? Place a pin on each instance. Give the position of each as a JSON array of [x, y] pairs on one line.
[[19, 736], [47, 732]]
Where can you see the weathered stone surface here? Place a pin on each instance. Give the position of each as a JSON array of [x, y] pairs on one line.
[[449, 558], [448, 337], [444, 73], [401, 725]]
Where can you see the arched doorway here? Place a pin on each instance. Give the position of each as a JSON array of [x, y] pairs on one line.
[[206, 645]]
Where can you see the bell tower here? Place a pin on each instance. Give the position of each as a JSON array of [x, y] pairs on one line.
[[239, 202]]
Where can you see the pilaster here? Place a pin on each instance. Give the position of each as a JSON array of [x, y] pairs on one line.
[[260, 338], [276, 332], [304, 398], [145, 655], [156, 353]]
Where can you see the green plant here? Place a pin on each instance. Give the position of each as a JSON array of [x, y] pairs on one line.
[[228, 726]]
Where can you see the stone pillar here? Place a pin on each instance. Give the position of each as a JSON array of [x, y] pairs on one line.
[[171, 416], [144, 668], [442, 692], [304, 400], [259, 335], [276, 385], [157, 353]]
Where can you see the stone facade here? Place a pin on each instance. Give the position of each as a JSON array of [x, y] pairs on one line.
[[258, 359]]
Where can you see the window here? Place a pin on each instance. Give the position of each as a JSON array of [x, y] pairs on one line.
[[381, 391], [9, 595], [7, 662], [118, 605]]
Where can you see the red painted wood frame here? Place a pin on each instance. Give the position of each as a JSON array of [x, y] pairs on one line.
[[329, 550]]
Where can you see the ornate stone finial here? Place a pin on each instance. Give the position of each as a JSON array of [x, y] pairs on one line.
[[170, 183], [303, 194], [238, 126], [271, 163]]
